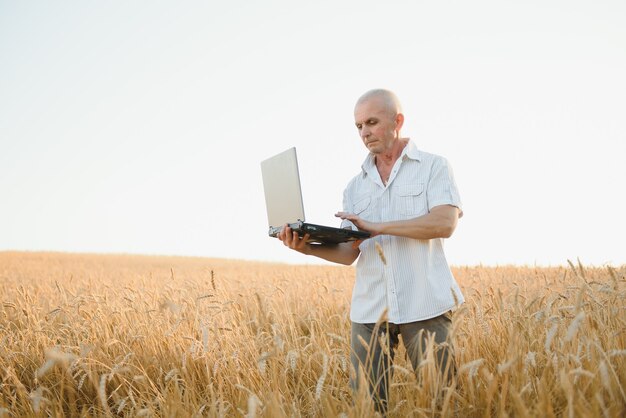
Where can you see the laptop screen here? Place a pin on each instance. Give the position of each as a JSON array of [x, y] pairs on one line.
[[281, 183]]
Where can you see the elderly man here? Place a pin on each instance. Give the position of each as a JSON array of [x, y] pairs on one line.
[[408, 200]]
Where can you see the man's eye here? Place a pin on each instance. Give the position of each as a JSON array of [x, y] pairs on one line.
[[371, 122]]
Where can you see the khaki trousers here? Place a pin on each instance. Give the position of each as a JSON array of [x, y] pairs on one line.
[[373, 350]]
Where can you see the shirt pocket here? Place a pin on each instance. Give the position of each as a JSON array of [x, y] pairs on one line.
[[411, 200], [362, 205]]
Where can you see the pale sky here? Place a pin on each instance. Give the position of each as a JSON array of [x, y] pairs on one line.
[[139, 127]]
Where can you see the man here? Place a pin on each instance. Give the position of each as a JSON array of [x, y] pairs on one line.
[[408, 200]]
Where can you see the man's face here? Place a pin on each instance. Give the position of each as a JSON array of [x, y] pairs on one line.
[[376, 125]]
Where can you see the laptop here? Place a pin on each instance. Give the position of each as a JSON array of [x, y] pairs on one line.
[[283, 200]]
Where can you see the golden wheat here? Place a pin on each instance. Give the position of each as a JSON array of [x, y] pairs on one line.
[[95, 335]]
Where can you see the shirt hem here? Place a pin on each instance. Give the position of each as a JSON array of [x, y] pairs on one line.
[[453, 307]]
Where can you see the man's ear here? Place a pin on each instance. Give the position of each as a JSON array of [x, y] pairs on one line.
[[399, 121]]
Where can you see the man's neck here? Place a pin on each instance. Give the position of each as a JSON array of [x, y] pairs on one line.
[[389, 158]]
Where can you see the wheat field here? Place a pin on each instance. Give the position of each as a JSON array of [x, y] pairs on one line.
[[115, 335]]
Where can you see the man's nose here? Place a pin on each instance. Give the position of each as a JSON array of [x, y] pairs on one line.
[[365, 133]]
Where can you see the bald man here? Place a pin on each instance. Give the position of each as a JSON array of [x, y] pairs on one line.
[[408, 201]]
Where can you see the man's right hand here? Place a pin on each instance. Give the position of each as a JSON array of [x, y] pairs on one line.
[[292, 240]]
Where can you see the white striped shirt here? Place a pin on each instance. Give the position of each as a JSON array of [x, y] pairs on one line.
[[416, 282]]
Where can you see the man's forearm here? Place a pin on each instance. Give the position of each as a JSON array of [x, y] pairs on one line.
[[437, 224], [339, 253]]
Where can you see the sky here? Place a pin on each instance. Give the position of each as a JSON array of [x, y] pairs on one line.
[[139, 127]]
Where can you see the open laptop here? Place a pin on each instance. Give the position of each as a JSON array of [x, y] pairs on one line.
[[283, 199]]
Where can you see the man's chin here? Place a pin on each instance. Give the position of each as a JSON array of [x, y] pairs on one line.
[[374, 147]]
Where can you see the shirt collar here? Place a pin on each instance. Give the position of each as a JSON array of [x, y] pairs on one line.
[[411, 151]]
